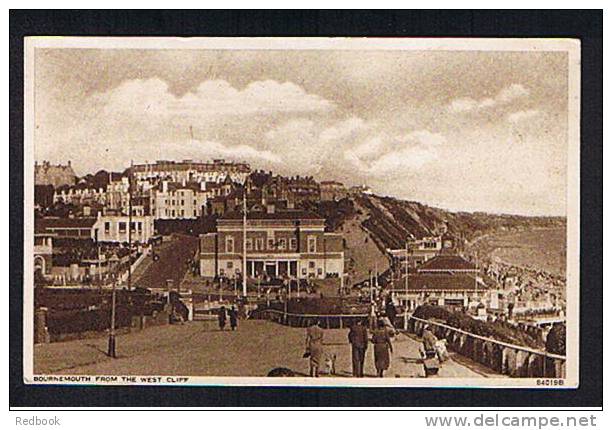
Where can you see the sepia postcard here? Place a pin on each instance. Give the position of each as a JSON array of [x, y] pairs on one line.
[[385, 212]]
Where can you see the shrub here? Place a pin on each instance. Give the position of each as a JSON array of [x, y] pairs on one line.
[[555, 341], [432, 312]]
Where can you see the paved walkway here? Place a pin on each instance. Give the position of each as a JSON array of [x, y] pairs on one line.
[[200, 349]]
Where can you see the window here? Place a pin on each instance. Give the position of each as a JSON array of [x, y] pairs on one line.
[[271, 243], [311, 264], [303, 271], [249, 244], [259, 244], [122, 227], [282, 244], [229, 244], [182, 202], [319, 271], [312, 244], [293, 244], [230, 265], [107, 227]]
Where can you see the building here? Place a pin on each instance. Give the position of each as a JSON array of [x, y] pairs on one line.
[[303, 189], [173, 200], [67, 228], [80, 195], [417, 252], [53, 174], [117, 193], [333, 190], [448, 264], [444, 280], [114, 229], [442, 289], [279, 244], [360, 189], [189, 171], [43, 250], [108, 228]]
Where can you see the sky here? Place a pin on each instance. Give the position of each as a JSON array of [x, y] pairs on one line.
[[460, 130]]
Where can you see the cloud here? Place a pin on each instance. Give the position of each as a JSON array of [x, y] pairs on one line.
[[211, 149], [504, 96], [522, 115], [385, 156], [344, 129], [152, 98]]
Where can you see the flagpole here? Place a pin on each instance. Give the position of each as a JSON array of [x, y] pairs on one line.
[[244, 238], [130, 226]]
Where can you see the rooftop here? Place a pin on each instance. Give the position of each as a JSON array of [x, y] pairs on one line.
[[277, 215], [431, 282], [52, 222], [447, 263]]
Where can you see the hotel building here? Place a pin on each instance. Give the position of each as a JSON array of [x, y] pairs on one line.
[[284, 244]]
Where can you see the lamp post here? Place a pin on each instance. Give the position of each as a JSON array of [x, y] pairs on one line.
[[406, 290], [111, 334], [244, 238]]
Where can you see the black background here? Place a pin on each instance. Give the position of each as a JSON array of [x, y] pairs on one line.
[[585, 25]]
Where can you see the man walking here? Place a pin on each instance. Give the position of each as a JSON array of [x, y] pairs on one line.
[[233, 317], [358, 338]]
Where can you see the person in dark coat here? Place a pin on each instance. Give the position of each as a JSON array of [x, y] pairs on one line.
[[382, 348], [390, 310], [222, 318], [233, 316], [358, 338]]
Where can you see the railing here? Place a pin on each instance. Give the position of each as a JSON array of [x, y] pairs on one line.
[[502, 357], [305, 320]]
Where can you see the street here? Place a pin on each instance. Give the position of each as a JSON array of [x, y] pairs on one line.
[[200, 349]]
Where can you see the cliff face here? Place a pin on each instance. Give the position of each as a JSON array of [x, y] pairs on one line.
[[389, 221]]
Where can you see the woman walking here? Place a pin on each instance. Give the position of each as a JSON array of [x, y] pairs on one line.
[[314, 347], [382, 348]]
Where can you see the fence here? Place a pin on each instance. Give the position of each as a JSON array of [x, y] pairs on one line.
[[306, 320], [504, 358]]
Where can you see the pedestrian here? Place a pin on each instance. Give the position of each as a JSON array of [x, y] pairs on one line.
[[233, 316], [429, 341], [382, 348], [314, 347], [358, 338], [390, 310], [222, 318]]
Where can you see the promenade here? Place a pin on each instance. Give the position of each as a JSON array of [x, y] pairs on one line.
[[199, 349]]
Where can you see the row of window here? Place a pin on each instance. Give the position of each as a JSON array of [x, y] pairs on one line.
[[311, 267], [272, 244], [135, 226], [181, 202], [176, 213]]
